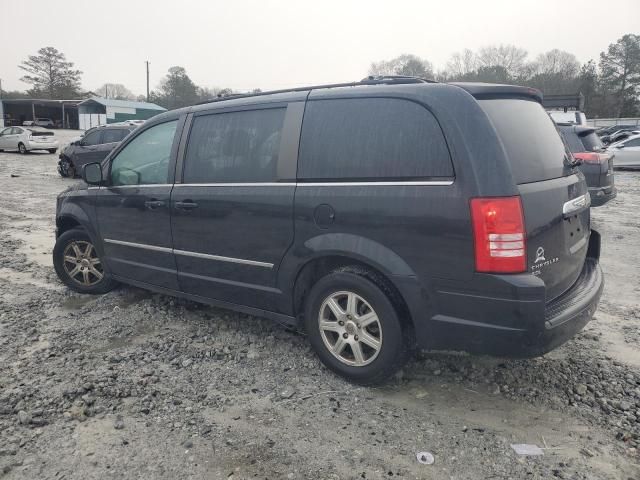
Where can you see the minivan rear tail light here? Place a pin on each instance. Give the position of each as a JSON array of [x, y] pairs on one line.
[[499, 235], [592, 157]]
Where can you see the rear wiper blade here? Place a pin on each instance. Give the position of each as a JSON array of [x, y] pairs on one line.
[[572, 161]]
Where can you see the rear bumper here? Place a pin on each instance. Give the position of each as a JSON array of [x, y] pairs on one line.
[[569, 313], [601, 195], [509, 316], [33, 145]]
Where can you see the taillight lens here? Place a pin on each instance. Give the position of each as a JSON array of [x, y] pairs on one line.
[[499, 235], [592, 157]]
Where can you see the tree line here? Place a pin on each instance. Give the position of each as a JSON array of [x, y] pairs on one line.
[[611, 86], [51, 76]]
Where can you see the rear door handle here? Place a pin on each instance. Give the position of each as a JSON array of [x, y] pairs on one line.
[[153, 204], [186, 205]]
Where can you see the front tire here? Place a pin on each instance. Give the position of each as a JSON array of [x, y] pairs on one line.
[[354, 327], [53, 150], [78, 265], [22, 149]]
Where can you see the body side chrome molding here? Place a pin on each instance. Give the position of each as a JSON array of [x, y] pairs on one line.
[[291, 184], [207, 256], [382, 184], [223, 259], [144, 185], [155, 248], [257, 184]]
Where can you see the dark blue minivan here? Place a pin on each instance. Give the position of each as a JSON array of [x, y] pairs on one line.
[[380, 215]]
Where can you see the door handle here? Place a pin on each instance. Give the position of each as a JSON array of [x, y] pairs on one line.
[[153, 204], [186, 205]]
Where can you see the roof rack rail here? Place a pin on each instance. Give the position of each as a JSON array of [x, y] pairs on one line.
[[370, 80], [391, 79]]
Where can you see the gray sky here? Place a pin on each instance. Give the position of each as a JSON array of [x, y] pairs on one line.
[[277, 44]]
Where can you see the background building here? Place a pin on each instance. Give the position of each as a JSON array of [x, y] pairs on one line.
[[75, 114], [98, 111]]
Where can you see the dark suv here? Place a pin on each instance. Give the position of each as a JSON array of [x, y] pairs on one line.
[[94, 146], [380, 215], [596, 161]]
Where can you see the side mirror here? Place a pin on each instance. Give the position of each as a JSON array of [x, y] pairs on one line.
[[92, 173], [620, 146]]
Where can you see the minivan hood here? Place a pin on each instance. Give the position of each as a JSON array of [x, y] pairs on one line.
[[73, 188]]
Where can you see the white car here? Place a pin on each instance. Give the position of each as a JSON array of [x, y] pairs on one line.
[[25, 139], [626, 152], [44, 122]]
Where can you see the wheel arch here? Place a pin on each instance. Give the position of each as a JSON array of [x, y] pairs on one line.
[[65, 223], [372, 260], [75, 217]]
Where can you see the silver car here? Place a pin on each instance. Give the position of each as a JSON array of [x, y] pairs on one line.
[[626, 152], [25, 139]]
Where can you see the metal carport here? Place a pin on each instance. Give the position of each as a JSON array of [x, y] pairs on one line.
[[64, 113]]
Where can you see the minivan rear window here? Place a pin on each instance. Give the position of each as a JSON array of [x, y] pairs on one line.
[[572, 140], [530, 138], [369, 139]]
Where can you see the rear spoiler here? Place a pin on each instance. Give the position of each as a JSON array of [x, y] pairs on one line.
[[483, 91], [580, 130]]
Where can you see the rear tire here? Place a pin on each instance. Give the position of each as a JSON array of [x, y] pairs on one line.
[[78, 265], [339, 319], [22, 149], [53, 150]]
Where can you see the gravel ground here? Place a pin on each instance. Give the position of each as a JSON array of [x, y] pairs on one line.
[[137, 385]]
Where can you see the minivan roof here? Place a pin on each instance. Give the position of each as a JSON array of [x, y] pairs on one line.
[[390, 85]]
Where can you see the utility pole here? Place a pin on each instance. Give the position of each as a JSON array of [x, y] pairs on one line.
[[147, 62]]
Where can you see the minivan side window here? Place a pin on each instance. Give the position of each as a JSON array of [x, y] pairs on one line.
[[145, 160], [92, 139], [371, 138], [234, 147], [111, 136]]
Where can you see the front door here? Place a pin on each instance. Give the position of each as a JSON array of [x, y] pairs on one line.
[[12, 138], [133, 208], [5, 138], [232, 215]]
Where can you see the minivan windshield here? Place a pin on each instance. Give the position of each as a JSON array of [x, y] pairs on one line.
[[530, 138]]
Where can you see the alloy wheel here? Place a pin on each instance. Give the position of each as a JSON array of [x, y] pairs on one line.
[[350, 328], [82, 264]]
